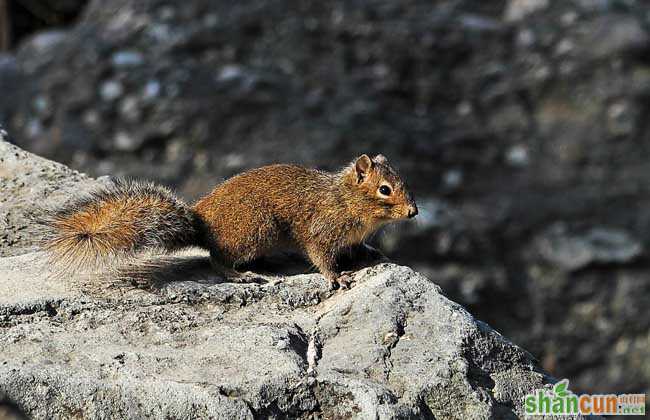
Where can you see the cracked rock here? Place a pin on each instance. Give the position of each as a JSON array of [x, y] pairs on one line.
[[271, 345]]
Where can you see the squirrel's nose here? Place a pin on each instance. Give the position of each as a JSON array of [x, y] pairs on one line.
[[413, 211]]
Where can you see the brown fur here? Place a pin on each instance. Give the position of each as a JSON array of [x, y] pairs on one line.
[[248, 216], [318, 213], [118, 222]]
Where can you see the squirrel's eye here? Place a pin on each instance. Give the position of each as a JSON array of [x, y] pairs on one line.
[[384, 190]]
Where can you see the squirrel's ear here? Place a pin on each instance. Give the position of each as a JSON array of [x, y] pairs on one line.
[[380, 159], [362, 167]]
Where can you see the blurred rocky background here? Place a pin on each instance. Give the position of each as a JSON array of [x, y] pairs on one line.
[[520, 125]]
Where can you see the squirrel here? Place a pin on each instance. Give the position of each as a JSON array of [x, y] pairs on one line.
[[281, 206]]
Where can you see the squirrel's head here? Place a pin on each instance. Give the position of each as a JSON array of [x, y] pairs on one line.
[[383, 187]]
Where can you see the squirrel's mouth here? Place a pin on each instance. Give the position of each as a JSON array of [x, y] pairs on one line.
[[397, 217], [406, 212]]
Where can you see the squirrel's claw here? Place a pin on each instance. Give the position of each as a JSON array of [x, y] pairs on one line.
[[343, 281]]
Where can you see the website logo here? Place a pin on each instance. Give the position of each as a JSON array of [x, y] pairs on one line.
[[561, 401]]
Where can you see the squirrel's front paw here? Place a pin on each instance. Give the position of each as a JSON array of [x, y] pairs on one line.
[[343, 281]]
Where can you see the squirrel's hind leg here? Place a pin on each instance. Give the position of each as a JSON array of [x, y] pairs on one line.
[[222, 267]]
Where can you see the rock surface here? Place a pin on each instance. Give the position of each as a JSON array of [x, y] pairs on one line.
[[392, 347], [266, 346], [517, 123]]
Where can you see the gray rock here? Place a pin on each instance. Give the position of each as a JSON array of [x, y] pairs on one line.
[[393, 346], [10, 84], [518, 156], [193, 345], [126, 59], [544, 116], [518, 9], [613, 34], [111, 90], [151, 90], [45, 41], [600, 245]]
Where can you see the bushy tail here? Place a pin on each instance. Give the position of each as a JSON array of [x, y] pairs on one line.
[[118, 222]]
